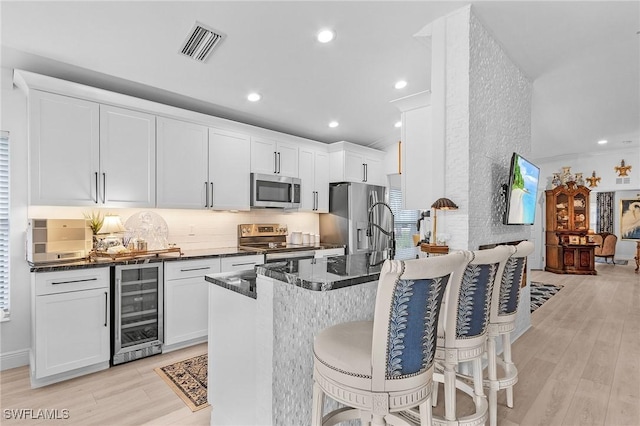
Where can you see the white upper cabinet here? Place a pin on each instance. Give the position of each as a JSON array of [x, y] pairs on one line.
[[127, 157], [354, 163], [274, 158], [183, 164], [83, 153], [423, 158], [64, 138], [201, 167], [314, 174], [229, 170]]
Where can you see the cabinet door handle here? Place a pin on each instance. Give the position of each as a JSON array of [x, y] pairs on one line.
[[211, 195], [243, 264], [106, 307], [317, 202], [104, 187], [74, 281], [118, 313], [206, 195], [97, 187], [366, 172], [279, 164], [275, 162], [195, 269]]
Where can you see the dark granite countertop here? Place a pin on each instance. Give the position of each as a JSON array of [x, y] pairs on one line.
[[328, 273], [243, 282], [323, 274], [102, 262]]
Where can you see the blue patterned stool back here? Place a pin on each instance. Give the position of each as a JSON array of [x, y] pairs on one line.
[[506, 297], [469, 304], [415, 307], [407, 314]]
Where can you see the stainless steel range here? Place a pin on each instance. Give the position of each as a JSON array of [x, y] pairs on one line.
[[271, 239]]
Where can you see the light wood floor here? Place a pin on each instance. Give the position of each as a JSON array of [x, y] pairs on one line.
[[579, 364]]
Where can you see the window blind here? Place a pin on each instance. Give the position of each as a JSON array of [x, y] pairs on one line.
[[405, 225], [4, 223]]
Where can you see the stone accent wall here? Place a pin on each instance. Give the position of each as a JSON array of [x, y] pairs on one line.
[[499, 124], [487, 102]]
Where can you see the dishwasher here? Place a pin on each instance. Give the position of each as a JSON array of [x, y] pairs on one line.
[[137, 325]]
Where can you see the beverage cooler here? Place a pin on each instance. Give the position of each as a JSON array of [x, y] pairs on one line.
[[137, 312]]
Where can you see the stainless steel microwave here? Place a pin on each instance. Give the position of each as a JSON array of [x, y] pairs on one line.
[[270, 191]]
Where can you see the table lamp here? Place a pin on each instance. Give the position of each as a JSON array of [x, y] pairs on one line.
[[440, 204], [112, 225]]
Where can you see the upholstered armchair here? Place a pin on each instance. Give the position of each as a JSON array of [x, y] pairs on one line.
[[606, 245]]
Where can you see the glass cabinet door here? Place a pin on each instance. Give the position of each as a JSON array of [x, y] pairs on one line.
[[580, 216], [562, 212]]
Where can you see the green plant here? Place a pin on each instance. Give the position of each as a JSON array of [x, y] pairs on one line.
[[96, 219]]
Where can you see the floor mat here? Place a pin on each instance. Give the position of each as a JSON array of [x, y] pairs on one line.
[[188, 379], [540, 293]]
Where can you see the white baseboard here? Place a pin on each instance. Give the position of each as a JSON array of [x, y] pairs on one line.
[[14, 359]]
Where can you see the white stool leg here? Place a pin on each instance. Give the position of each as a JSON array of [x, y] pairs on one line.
[[449, 392], [318, 405], [426, 418], [493, 377], [434, 393], [478, 388], [509, 366], [378, 420]]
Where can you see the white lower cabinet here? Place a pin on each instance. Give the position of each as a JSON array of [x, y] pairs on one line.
[[240, 263], [70, 324], [185, 301], [329, 252], [186, 308]]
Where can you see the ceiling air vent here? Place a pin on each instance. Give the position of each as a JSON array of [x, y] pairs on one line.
[[200, 42]]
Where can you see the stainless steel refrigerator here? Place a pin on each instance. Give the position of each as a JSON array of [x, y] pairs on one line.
[[348, 219]]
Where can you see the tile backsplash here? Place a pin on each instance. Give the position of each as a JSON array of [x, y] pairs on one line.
[[195, 229]]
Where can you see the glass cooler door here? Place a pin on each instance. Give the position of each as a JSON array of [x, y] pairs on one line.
[[138, 307]]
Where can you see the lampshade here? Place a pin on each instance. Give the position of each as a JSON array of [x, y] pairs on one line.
[[111, 224], [444, 204]]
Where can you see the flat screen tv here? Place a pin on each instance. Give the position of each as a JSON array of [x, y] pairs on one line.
[[521, 192]]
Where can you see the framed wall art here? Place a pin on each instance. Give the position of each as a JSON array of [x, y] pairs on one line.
[[630, 219]]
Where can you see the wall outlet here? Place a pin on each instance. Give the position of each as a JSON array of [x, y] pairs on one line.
[[192, 230]]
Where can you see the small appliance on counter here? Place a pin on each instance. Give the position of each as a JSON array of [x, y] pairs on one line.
[[57, 240], [271, 239]]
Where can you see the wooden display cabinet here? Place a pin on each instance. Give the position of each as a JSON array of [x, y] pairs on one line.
[[567, 224]]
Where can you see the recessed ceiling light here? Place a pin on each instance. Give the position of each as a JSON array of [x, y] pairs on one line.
[[602, 142], [334, 124], [400, 84], [254, 97], [398, 124], [325, 36]]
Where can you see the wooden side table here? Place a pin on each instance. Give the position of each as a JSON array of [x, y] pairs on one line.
[[433, 249]]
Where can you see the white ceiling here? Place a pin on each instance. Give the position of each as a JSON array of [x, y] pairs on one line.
[[583, 59]]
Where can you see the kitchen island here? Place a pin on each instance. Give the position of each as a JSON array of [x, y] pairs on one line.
[[261, 331]]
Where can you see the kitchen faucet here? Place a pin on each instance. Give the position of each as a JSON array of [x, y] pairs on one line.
[[389, 233]]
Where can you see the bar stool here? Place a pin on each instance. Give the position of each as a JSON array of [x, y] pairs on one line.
[[502, 321], [379, 368], [462, 335]]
